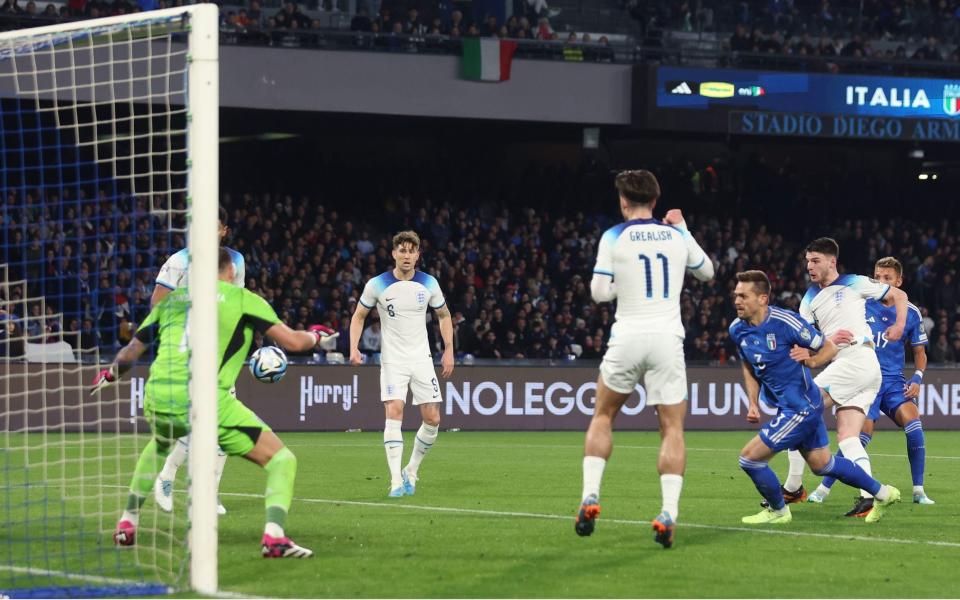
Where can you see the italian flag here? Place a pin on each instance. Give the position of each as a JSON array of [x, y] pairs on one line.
[[487, 59]]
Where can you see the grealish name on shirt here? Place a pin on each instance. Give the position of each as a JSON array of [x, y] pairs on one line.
[[651, 236]]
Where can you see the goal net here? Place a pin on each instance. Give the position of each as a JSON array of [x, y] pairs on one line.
[[108, 164]]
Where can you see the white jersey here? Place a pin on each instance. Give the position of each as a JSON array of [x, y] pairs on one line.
[[646, 260], [173, 273], [402, 305], [842, 305]]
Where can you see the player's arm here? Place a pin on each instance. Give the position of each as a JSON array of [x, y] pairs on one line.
[[920, 362], [356, 331], [264, 319], [446, 332], [898, 298], [168, 279], [294, 340], [698, 263], [753, 392], [602, 287], [129, 354], [815, 359], [160, 292]]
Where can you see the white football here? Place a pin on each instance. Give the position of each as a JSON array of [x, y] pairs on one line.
[[268, 364]]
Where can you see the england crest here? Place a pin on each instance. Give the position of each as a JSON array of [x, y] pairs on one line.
[[951, 99], [421, 297], [772, 341]]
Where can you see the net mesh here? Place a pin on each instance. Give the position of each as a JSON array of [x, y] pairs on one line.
[[93, 144]]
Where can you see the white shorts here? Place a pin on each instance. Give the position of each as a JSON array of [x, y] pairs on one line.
[[853, 378], [655, 358], [419, 377]]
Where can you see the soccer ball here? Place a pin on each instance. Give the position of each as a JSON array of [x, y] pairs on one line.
[[268, 364]]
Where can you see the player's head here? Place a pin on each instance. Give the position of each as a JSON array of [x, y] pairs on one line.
[[822, 254], [752, 294], [888, 270], [637, 189], [226, 270], [406, 250], [222, 227]]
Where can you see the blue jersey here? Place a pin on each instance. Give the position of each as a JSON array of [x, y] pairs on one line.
[[766, 348], [891, 354]]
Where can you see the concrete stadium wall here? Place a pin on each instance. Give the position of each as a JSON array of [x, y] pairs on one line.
[[338, 398]]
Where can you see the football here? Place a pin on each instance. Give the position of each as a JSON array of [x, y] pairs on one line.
[[268, 364]]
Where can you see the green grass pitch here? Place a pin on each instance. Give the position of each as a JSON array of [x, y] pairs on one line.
[[493, 517]]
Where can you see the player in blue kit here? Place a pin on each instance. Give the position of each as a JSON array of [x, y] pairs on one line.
[[897, 397], [775, 346]]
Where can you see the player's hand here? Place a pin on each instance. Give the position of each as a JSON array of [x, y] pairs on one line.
[[753, 414], [447, 362], [673, 217], [356, 359], [842, 337], [104, 379], [326, 337], [894, 332], [912, 391], [800, 354]]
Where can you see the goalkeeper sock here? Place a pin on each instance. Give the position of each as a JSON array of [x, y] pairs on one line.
[[141, 484], [426, 437], [795, 475], [393, 444], [178, 456], [281, 474]]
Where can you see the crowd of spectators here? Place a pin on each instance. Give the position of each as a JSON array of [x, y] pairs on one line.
[[516, 279]]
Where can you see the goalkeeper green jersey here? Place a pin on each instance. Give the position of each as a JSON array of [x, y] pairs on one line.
[[240, 312]]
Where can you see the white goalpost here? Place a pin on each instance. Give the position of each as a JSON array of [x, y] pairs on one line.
[[108, 163]]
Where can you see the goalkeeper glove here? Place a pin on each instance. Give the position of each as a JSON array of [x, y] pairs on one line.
[[105, 378], [326, 337]]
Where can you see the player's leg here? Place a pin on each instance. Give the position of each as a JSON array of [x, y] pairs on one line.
[[907, 417], [849, 473], [666, 383], [597, 447], [165, 429], [163, 487], [754, 460], [242, 433], [221, 463], [866, 435], [394, 380], [426, 393]]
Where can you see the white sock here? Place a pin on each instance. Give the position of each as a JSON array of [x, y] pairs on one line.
[[176, 458], [670, 486], [795, 474], [221, 462], [883, 494], [918, 490], [133, 517], [426, 437], [823, 490], [393, 444], [592, 475], [273, 530], [854, 451]]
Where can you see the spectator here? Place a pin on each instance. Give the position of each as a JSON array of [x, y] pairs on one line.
[[371, 338]]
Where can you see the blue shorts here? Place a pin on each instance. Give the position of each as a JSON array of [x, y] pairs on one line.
[[888, 400], [795, 431]]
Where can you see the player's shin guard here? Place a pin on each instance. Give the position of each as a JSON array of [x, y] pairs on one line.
[[281, 475], [846, 471], [426, 437], [916, 450], [828, 482], [766, 481], [854, 451], [593, 467]]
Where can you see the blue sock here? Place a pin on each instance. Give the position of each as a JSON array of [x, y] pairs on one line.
[[916, 450], [848, 472], [766, 481], [829, 481]]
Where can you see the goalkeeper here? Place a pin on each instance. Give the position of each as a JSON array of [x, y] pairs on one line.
[[241, 432]]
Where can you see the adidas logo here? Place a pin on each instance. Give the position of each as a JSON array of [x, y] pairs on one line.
[[683, 88], [871, 320]]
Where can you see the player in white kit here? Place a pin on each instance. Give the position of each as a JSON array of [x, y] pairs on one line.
[[836, 304], [172, 275], [641, 263], [401, 297]]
